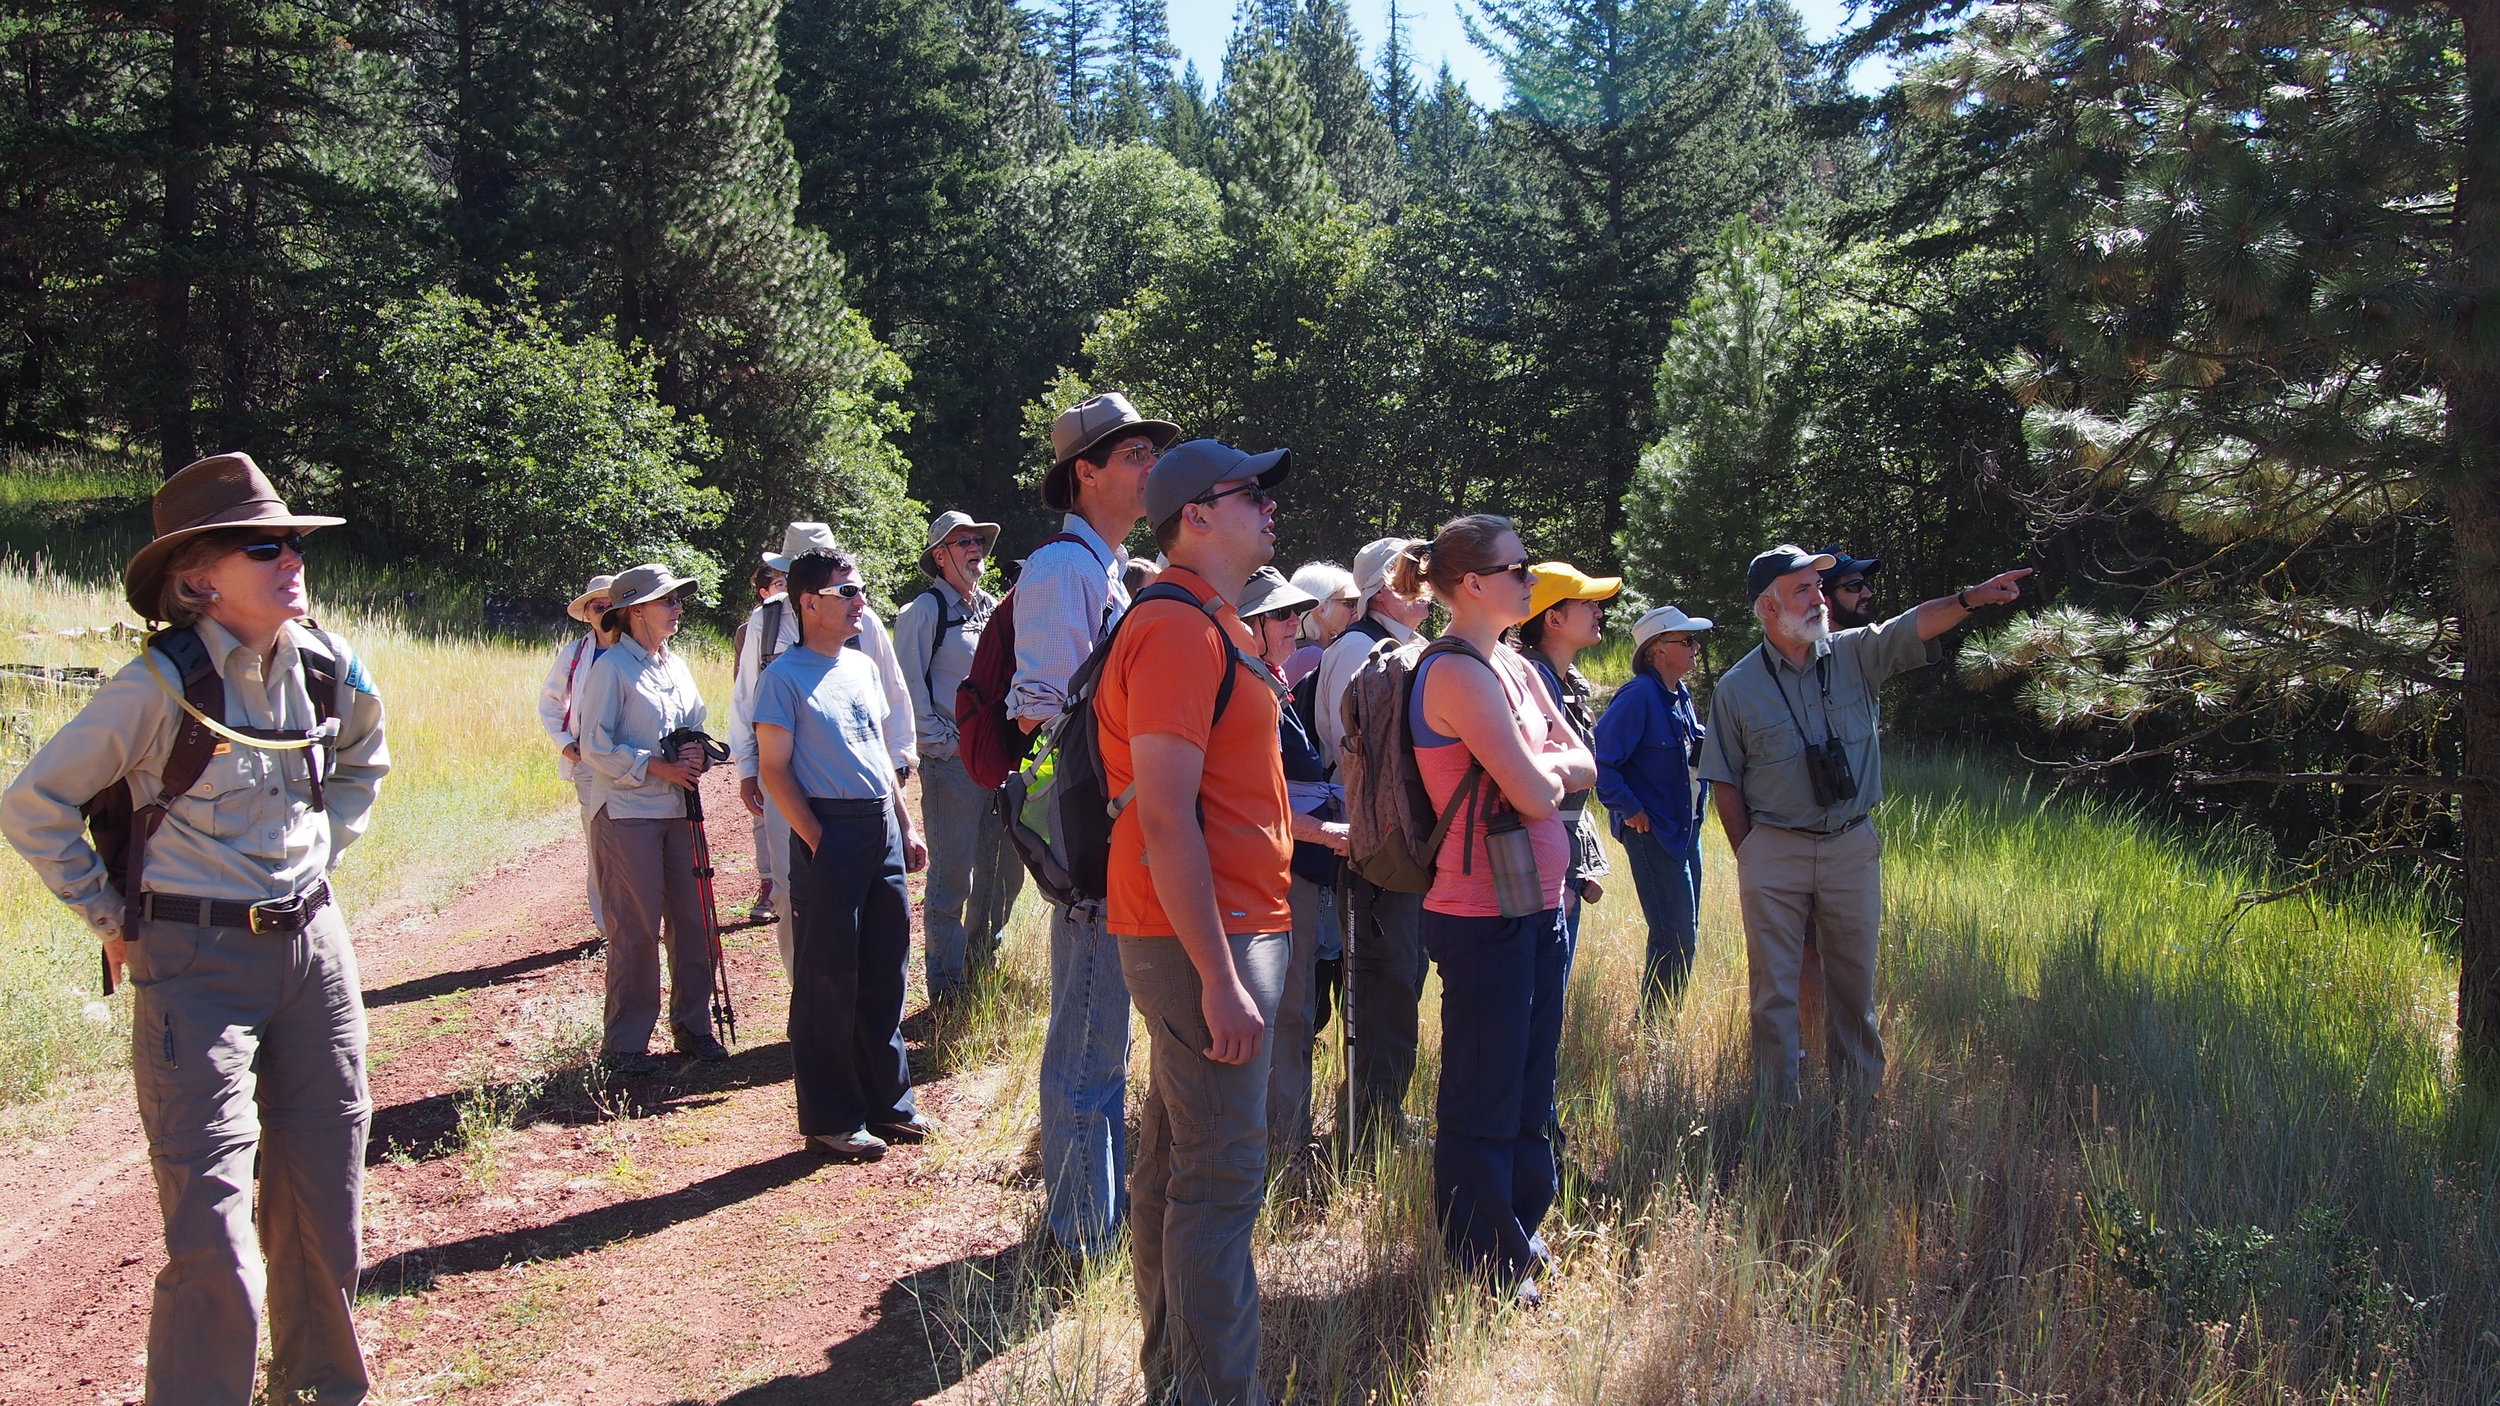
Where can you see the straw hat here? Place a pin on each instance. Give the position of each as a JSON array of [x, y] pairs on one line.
[[598, 587], [228, 490]]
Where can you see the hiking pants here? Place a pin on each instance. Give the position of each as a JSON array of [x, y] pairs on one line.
[[1493, 1179], [590, 848], [647, 867], [1297, 1010], [1084, 1084], [852, 924], [251, 1049], [1790, 884], [974, 876], [1385, 974], [1201, 1176], [1667, 876]]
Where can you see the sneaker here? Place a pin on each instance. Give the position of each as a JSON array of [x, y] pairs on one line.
[[702, 1047], [860, 1146], [763, 911], [921, 1128], [633, 1065]]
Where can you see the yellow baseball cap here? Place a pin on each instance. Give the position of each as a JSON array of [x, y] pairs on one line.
[[1559, 581]]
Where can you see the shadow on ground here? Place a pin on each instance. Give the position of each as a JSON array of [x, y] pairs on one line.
[[427, 1128]]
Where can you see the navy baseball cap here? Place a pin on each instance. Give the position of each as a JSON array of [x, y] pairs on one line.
[[1781, 560], [1844, 565], [1187, 471]]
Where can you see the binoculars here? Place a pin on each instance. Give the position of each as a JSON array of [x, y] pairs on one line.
[[1827, 767]]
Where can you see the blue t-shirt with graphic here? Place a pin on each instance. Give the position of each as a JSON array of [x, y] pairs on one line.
[[835, 710]]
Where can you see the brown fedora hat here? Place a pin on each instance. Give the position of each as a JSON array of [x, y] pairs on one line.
[[1082, 426], [228, 490]]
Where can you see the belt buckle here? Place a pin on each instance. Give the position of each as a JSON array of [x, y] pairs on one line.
[[274, 910]]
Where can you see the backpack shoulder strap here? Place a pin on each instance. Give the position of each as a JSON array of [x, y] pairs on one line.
[[768, 644], [326, 665], [937, 637], [194, 744], [1371, 629]]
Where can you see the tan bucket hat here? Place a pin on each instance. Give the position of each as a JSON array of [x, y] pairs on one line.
[[797, 540], [947, 524], [1082, 426], [227, 490], [598, 587], [642, 584]]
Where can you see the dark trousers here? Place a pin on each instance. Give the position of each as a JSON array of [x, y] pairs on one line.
[[850, 937], [1385, 983], [1667, 875], [1502, 983]]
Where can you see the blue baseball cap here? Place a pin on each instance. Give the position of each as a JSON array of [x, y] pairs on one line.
[[1780, 561]]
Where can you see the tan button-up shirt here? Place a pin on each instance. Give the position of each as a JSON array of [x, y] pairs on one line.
[[630, 700], [246, 831]]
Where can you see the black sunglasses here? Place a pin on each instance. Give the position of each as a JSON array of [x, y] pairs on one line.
[[1855, 583], [268, 549], [1258, 496], [1518, 569]]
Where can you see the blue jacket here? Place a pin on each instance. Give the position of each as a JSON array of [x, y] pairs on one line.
[[1645, 744]]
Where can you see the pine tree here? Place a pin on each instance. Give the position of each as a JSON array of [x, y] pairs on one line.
[[1267, 147], [1634, 129], [1354, 143], [1074, 32], [1188, 126], [1139, 91], [675, 159], [1446, 147], [1398, 92]]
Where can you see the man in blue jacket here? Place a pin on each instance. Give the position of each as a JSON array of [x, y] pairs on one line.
[[1647, 744]]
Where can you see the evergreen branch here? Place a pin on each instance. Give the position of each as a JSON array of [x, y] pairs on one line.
[[2427, 785]]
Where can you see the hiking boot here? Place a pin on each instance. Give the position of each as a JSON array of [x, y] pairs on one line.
[[702, 1047], [921, 1128], [633, 1065], [860, 1146]]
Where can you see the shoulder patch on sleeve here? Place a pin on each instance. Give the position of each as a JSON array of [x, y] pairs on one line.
[[358, 679]]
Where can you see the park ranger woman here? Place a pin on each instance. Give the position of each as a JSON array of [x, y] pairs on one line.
[[226, 767]]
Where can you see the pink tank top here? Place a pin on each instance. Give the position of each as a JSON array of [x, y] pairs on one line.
[[1462, 879]]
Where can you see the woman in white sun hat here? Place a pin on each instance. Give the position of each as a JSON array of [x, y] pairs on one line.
[[1648, 743], [555, 713]]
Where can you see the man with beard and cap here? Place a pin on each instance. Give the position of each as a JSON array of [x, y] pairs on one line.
[[1792, 743], [1849, 584], [771, 629]]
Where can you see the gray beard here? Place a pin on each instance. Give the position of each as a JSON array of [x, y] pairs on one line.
[[1808, 630]]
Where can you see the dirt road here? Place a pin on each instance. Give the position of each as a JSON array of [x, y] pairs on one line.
[[534, 1233]]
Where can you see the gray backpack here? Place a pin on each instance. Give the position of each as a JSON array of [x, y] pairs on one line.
[[1393, 836]]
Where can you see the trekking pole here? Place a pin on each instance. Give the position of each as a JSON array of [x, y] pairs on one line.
[[1347, 1117], [724, 1014]]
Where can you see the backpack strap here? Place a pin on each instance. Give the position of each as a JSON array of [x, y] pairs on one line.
[[194, 744], [1371, 629], [1162, 590], [937, 640], [1473, 781], [768, 644]]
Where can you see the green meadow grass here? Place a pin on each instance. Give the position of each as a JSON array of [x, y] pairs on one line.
[[2135, 1146]]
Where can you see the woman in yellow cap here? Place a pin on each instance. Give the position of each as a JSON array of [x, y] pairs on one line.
[[1567, 614]]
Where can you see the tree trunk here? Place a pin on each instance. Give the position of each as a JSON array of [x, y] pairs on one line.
[[2473, 498], [186, 137]]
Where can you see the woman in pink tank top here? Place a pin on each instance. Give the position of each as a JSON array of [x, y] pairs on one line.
[[1490, 743]]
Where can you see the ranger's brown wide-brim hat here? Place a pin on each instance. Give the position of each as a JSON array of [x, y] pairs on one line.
[[228, 490]]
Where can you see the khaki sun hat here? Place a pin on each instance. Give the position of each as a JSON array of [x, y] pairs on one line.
[[644, 584], [1373, 564], [597, 587], [797, 540], [228, 490], [947, 524], [1663, 620], [1559, 581], [1268, 590], [1082, 426]]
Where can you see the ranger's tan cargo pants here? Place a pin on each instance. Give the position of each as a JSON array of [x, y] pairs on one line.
[[253, 1046], [1790, 883]]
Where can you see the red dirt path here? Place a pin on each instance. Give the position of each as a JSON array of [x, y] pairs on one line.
[[677, 1244]]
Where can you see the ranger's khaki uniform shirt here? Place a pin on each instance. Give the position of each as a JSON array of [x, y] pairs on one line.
[[1755, 745], [246, 832], [631, 699]]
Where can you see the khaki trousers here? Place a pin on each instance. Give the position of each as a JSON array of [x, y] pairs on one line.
[[646, 872], [252, 1049], [1789, 884]]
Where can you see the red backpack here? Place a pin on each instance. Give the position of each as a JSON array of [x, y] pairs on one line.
[[990, 744]]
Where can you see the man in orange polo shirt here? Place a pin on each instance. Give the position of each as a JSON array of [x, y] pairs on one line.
[[1200, 884]]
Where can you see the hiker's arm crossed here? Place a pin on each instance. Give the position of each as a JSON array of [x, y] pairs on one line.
[[1569, 762], [1479, 715], [1168, 770]]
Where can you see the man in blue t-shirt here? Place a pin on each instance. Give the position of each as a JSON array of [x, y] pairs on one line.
[[820, 715]]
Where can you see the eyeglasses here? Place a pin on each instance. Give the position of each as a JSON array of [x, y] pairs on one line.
[[848, 590], [1517, 570], [1258, 496], [268, 549], [960, 542], [1288, 612], [1141, 452], [1685, 640], [1855, 585]]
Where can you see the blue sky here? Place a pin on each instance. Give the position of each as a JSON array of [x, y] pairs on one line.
[[1200, 27]]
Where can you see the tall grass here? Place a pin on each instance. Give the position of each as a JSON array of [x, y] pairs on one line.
[[2134, 1146], [472, 783]]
